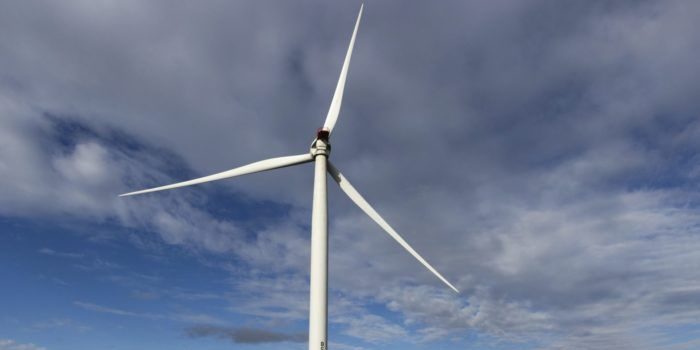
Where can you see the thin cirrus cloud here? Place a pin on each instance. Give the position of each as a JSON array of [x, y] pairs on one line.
[[179, 317], [9, 344]]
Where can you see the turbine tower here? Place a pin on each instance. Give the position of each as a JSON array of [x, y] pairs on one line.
[[319, 153]]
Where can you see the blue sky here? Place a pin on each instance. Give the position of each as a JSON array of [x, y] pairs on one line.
[[542, 155]]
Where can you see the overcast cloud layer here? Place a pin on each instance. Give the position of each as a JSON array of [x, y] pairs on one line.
[[541, 154]]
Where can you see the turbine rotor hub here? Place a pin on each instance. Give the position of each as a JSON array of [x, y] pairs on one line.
[[323, 134], [321, 146]]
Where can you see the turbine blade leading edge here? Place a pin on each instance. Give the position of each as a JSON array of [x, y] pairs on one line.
[[333, 111], [367, 208], [267, 164]]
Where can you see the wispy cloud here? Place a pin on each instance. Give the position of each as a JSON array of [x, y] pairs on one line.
[[114, 311], [65, 323], [176, 316], [51, 252], [9, 344], [98, 264]]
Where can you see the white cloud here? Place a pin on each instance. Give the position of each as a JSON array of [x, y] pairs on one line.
[[371, 328], [184, 317], [9, 344]]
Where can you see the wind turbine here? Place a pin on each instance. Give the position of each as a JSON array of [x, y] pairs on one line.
[[320, 150]]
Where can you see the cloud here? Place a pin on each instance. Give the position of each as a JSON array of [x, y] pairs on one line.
[[48, 251], [371, 328], [98, 264], [113, 311], [9, 344], [83, 174], [61, 323], [277, 297], [245, 335], [178, 317], [542, 156]]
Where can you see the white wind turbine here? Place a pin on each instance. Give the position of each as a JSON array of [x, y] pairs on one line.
[[320, 150]]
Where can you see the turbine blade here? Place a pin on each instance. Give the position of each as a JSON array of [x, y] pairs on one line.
[[333, 111], [367, 208], [267, 164]]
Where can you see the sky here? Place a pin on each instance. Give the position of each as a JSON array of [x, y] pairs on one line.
[[542, 155]]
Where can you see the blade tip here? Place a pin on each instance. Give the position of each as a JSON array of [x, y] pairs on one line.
[[452, 286], [129, 194]]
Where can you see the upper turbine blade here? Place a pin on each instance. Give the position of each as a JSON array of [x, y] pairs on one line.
[[267, 164], [362, 203], [332, 116]]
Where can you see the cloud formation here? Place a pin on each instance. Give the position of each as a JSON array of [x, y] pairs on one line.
[[179, 317], [245, 335], [49, 251], [9, 344], [541, 155]]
